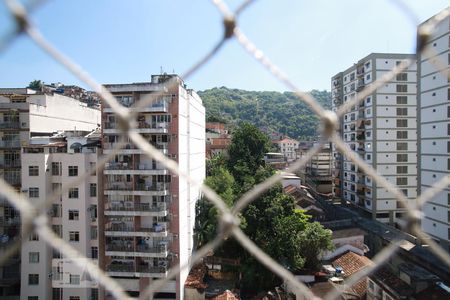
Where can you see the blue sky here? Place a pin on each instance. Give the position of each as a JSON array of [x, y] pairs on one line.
[[127, 41]]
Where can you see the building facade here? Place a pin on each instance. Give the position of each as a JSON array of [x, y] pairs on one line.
[[288, 147], [382, 129], [149, 213], [48, 165], [23, 114], [434, 131], [317, 172]]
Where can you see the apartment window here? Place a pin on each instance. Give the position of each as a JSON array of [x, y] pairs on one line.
[[402, 157], [448, 199], [93, 210], [34, 170], [33, 279], [33, 298], [402, 77], [93, 190], [448, 94], [56, 210], [73, 193], [74, 297], [92, 166], [448, 129], [402, 111], [403, 146], [403, 169], [402, 88], [56, 168], [73, 170], [402, 100], [402, 180], [74, 214], [448, 111], [94, 232], [74, 236], [33, 257], [448, 163], [94, 252], [57, 229], [403, 122], [74, 279], [403, 134], [448, 146], [404, 191], [94, 294], [33, 237], [33, 192]]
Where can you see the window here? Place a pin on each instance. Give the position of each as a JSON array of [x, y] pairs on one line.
[[74, 297], [404, 191], [94, 294], [402, 157], [92, 167], [94, 232], [402, 77], [402, 111], [73, 170], [94, 252], [34, 170], [402, 100], [402, 134], [448, 146], [403, 122], [448, 94], [33, 298], [448, 111], [57, 229], [402, 146], [73, 214], [33, 237], [402, 180], [93, 190], [74, 236], [93, 211], [448, 163], [448, 129], [33, 257], [33, 279], [402, 169], [56, 168], [75, 279], [73, 193], [33, 192], [402, 88]]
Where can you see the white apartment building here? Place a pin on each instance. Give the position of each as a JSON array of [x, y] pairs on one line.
[[49, 164], [149, 213], [434, 131], [23, 114], [382, 130], [288, 147]]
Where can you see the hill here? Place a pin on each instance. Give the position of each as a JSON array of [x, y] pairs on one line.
[[270, 111]]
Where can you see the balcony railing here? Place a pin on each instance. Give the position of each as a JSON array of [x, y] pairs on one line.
[[130, 166], [10, 125], [131, 228], [127, 186], [10, 164], [132, 268], [136, 248], [138, 207], [10, 144]]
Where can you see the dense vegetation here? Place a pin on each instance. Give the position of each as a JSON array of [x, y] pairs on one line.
[[271, 221], [272, 111]]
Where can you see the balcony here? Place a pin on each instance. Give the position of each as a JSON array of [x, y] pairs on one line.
[[134, 270], [122, 168], [132, 149], [124, 229], [137, 250], [161, 105], [140, 189], [143, 127], [132, 209], [10, 144], [10, 125], [10, 164]]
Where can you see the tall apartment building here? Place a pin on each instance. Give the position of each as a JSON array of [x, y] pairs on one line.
[[318, 170], [23, 114], [149, 212], [434, 131], [49, 164], [382, 130]]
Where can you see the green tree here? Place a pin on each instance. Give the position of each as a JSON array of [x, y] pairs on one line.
[[314, 239], [246, 151], [35, 85]]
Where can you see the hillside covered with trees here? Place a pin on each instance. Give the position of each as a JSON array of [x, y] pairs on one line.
[[271, 111]]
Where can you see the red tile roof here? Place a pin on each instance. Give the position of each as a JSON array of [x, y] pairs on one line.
[[196, 276], [227, 295], [351, 263]]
